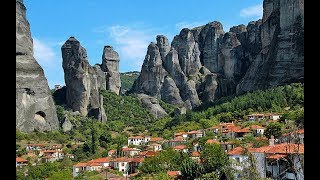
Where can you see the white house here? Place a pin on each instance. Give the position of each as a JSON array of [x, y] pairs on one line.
[[181, 148], [155, 147], [257, 116], [35, 147], [138, 140], [195, 134], [239, 161], [20, 162], [122, 164], [181, 134], [78, 168], [257, 130], [130, 151], [273, 116]]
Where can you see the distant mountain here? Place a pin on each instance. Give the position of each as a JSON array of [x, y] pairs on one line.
[[127, 80], [206, 63]]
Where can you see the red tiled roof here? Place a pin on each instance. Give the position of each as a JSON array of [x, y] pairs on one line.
[[283, 148], [212, 141], [80, 165], [254, 127], [180, 133], [93, 164], [236, 151], [137, 159], [154, 139], [100, 160], [20, 159], [276, 156], [173, 173], [300, 131], [195, 154], [122, 159], [180, 147], [148, 153], [178, 139], [195, 132], [112, 151]]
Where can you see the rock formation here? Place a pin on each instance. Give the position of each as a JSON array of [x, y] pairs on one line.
[[35, 109], [110, 65], [205, 63], [152, 105], [82, 81]]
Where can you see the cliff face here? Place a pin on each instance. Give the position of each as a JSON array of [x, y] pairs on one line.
[[82, 81], [110, 65], [205, 63], [35, 109]]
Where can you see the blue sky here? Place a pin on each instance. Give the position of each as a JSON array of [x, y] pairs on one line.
[[127, 25]]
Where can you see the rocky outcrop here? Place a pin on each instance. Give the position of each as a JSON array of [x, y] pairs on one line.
[[82, 81], [67, 125], [110, 65], [205, 63], [35, 109], [152, 105], [281, 59]]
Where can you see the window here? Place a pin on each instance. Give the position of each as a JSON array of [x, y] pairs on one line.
[[237, 159], [122, 164]]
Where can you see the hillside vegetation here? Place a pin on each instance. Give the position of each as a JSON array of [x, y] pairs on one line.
[[127, 80]]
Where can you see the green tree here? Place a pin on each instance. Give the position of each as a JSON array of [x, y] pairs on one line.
[[213, 158], [190, 169], [64, 174], [274, 129]]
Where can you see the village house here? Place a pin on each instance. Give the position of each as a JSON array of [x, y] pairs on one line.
[[277, 161], [176, 141], [273, 116], [51, 155], [78, 168], [181, 134], [122, 164], [256, 117], [157, 140], [112, 152], [34, 147], [257, 130], [181, 148], [239, 161], [232, 131], [155, 147], [138, 140], [147, 154], [195, 134], [226, 146], [293, 137], [195, 155], [176, 175], [20, 162], [130, 151]]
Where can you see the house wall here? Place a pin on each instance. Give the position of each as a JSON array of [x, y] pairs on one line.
[[260, 164], [298, 166]]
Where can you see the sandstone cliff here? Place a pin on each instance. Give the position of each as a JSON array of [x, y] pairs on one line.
[[205, 63], [35, 109]]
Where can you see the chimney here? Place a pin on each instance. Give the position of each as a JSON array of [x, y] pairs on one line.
[[271, 141]]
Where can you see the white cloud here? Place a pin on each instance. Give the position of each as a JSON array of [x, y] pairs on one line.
[[46, 54], [43, 53], [189, 25], [252, 11]]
